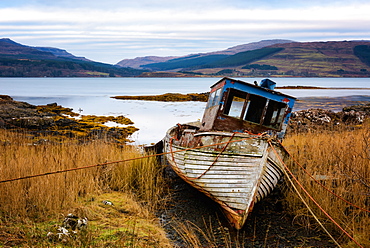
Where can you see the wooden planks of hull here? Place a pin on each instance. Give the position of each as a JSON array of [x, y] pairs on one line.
[[233, 178]]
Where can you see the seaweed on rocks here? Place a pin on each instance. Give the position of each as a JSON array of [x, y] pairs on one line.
[[60, 122]]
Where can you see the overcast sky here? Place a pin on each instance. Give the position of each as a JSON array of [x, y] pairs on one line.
[[112, 30]]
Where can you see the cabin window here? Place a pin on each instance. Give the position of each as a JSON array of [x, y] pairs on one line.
[[274, 114], [235, 103], [236, 106], [254, 108], [256, 105], [214, 98]]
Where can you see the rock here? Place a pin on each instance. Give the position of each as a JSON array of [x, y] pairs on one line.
[[365, 108], [70, 227], [5, 98], [314, 119], [108, 203]]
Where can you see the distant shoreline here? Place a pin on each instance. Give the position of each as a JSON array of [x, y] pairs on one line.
[[203, 97], [335, 104]]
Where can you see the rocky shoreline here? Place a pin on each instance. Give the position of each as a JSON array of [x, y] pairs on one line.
[[321, 119], [57, 120], [60, 122]]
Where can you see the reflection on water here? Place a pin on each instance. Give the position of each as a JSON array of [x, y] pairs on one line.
[[325, 92], [152, 118], [92, 96], [335, 104]]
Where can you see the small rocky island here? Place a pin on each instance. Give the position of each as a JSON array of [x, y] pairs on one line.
[[169, 97]]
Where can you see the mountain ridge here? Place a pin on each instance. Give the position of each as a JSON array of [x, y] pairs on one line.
[[60, 53], [266, 58], [290, 59], [18, 60], [140, 62]]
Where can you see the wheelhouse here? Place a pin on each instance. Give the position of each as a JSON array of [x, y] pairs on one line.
[[237, 106]]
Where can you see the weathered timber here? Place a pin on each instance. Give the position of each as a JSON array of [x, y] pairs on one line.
[[228, 155]]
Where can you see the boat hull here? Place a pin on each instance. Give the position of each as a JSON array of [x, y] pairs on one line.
[[236, 170]]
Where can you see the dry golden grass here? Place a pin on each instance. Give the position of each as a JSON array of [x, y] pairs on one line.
[[35, 201], [30, 207], [210, 236], [141, 177], [341, 162]]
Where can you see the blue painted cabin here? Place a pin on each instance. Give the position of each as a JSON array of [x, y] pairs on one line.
[[237, 106]]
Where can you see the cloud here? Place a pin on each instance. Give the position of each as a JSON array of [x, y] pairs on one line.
[[126, 29]]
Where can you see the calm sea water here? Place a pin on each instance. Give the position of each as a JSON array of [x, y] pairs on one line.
[[92, 96]]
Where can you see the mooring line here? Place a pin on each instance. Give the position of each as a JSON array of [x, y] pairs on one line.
[[113, 162], [313, 200], [187, 149], [327, 189]]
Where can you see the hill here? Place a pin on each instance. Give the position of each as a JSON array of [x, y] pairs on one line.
[[17, 60], [267, 58], [321, 59], [140, 61], [173, 62], [60, 53], [294, 59]]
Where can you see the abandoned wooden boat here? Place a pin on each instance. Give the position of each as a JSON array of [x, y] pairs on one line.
[[228, 154]]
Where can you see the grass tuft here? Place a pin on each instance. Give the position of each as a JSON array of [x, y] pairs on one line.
[[33, 207], [341, 162]]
